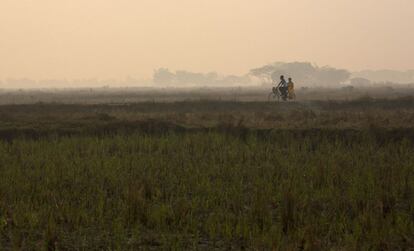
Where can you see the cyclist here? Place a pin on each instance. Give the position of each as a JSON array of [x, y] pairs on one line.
[[291, 89], [283, 87]]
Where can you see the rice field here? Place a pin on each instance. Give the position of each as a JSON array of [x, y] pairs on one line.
[[122, 179]]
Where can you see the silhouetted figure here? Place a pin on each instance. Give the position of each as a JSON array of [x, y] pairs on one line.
[[291, 89], [283, 87]]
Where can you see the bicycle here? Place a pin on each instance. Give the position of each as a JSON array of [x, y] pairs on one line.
[[274, 95]]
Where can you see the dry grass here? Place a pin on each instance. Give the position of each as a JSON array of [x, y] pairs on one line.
[[209, 175]]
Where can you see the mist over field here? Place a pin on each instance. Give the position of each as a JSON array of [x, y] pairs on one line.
[[305, 74]]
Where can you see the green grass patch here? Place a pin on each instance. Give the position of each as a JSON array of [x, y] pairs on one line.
[[208, 189]]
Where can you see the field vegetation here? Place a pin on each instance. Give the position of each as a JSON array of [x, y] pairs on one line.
[[208, 175]]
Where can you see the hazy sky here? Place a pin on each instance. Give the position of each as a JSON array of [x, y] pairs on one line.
[[117, 38]]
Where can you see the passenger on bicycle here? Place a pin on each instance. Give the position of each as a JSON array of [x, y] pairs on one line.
[[291, 89], [283, 87]]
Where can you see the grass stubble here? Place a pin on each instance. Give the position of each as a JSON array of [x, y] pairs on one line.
[[228, 186]]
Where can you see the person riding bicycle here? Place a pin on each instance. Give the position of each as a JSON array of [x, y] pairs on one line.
[[291, 89], [283, 87]]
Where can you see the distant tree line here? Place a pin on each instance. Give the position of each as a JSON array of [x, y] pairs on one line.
[[164, 76], [302, 72], [386, 76]]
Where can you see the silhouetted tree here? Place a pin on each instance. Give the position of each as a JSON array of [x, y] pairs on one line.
[[163, 76], [264, 73], [185, 77], [303, 73]]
